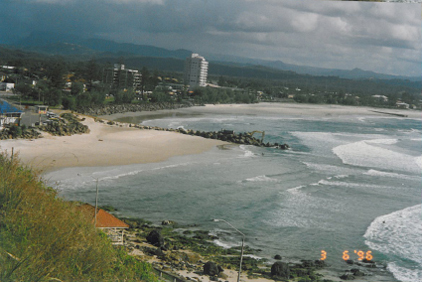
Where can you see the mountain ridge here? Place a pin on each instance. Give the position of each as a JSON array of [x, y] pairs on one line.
[[71, 44]]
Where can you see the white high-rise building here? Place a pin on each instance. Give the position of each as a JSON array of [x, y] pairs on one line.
[[196, 71]]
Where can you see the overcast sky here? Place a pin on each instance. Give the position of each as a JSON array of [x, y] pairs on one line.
[[382, 37]]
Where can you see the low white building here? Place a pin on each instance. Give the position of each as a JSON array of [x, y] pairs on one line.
[[6, 86], [402, 105], [381, 97]]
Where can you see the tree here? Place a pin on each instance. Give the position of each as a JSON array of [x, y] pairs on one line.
[[69, 103], [83, 99], [144, 79], [55, 72], [92, 73], [24, 89], [124, 96], [54, 97], [77, 88], [158, 97]]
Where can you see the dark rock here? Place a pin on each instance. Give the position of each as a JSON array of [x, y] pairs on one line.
[[167, 222], [308, 263], [349, 261], [367, 261], [211, 268], [280, 269], [347, 276], [320, 263], [277, 257], [155, 238], [357, 272]]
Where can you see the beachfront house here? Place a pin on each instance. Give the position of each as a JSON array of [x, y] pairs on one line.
[[6, 86], [9, 114], [109, 224]]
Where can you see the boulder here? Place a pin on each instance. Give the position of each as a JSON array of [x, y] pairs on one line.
[[167, 222], [155, 238], [277, 257], [280, 269], [347, 276], [212, 269], [357, 272]]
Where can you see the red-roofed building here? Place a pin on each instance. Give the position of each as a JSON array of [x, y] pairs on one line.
[[110, 224]]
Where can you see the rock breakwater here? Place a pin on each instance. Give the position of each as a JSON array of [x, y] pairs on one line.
[[245, 138]]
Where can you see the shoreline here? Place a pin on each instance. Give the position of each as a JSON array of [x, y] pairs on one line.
[[179, 263], [267, 109], [126, 145], [105, 145]]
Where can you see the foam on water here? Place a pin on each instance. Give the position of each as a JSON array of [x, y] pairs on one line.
[[261, 178], [383, 141], [246, 153], [295, 190], [352, 185], [418, 161], [373, 172], [330, 168], [366, 154], [224, 245], [399, 236]]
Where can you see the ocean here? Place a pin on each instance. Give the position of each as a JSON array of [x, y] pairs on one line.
[[348, 183]]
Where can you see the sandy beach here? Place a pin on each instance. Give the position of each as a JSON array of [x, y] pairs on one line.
[[108, 145], [105, 145], [267, 109]]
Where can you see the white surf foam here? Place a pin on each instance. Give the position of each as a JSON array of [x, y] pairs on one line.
[[224, 245], [261, 178], [246, 153], [295, 190], [404, 274], [399, 235], [418, 161], [383, 141], [373, 172], [351, 184], [366, 154]]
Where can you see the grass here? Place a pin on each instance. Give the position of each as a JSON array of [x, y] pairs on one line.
[[44, 238]]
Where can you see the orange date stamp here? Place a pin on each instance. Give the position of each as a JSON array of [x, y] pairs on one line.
[[361, 255]]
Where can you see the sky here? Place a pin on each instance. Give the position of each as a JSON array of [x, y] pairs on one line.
[[381, 37]]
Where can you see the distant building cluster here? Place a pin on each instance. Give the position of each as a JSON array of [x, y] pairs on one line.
[[196, 71], [122, 78], [4, 85]]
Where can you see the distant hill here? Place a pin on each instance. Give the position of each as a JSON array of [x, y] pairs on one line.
[[71, 44], [355, 73], [68, 44]]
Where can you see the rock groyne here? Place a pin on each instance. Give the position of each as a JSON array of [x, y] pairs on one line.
[[245, 138]]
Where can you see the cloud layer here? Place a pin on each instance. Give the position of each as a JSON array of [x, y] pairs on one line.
[[383, 37]]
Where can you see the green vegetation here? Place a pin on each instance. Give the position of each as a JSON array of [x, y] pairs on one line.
[[43, 238], [77, 81]]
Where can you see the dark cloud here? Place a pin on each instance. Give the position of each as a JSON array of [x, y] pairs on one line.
[[373, 36]]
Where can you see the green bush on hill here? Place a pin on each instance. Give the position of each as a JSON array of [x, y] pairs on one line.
[[43, 238]]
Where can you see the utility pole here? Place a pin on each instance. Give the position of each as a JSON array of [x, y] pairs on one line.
[[96, 203]]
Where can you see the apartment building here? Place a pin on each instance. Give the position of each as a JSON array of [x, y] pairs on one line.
[[196, 71]]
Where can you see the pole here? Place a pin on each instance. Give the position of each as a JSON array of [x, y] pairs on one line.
[[241, 251], [96, 204], [241, 259]]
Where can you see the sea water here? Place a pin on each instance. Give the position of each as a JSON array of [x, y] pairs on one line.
[[347, 184]]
